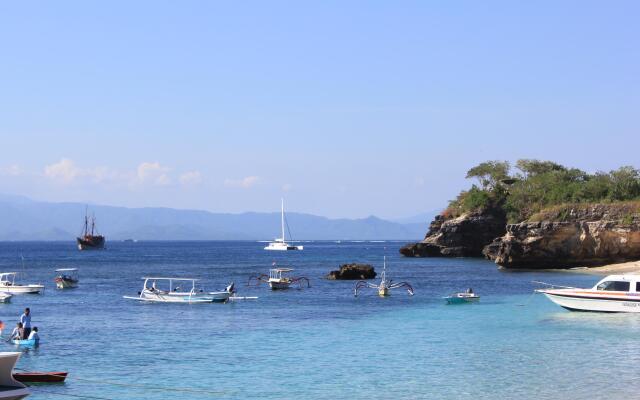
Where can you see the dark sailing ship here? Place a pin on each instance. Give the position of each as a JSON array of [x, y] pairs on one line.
[[90, 240]]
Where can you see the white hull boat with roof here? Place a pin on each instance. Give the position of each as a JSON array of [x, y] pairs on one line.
[[8, 285], [178, 290], [10, 389], [279, 244], [615, 293], [67, 278]]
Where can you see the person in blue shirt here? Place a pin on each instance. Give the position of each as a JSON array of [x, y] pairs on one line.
[[25, 319]]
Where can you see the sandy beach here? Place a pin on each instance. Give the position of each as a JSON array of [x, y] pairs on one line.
[[620, 268]]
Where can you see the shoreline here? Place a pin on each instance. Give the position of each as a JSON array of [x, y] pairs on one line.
[[629, 267]]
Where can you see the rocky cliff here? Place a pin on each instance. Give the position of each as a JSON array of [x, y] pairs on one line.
[[569, 236], [464, 236]]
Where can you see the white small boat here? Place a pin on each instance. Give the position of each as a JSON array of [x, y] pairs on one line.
[[67, 278], [178, 290], [279, 244], [277, 280], [5, 297], [11, 389], [8, 284], [463, 297], [615, 293]]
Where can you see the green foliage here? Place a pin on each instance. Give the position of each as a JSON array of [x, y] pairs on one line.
[[490, 173], [541, 184]]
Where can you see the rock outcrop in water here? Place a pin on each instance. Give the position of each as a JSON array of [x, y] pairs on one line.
[[353, 272], [567, 237], [464, 236]]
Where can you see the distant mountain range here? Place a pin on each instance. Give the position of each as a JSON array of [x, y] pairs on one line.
[[25, 219]]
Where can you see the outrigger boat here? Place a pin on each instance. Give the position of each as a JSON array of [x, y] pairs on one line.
[[464, 297], [175, 293], [615, 293], [385, 285], [8, 284], [10, 389], [279, 280], [66, 278]]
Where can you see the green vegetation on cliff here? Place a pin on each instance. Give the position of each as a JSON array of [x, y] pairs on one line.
[[535, 186]]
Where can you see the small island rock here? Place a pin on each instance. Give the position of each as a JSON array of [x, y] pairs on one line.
[[352, 272]]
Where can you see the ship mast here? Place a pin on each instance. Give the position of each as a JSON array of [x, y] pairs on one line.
[[282, 218]]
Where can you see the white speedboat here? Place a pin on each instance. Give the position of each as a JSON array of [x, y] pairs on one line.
[[67, 278], [10, 389], [615, 293], [8, 285], [5, 297], [177, 290], [279, 244]]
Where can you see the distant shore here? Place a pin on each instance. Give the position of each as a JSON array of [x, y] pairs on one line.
[[609, 269]]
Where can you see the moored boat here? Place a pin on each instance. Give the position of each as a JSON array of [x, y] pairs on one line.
[[463, 297], [172, 291], [89, 238], [614, 293], [8, 285], [279, 244], [40, 377], [10, 389], [67, 278]]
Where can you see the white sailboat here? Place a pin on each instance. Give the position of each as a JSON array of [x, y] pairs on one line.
[[279, 244]]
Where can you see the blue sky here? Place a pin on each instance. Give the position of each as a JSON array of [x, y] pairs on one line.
[[345, 108]]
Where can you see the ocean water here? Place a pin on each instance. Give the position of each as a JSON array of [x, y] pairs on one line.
[[316, 343]]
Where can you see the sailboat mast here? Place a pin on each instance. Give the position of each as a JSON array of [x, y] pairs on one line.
[[282, 218]]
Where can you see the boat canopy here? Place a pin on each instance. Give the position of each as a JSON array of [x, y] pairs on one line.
[[282, 269], [66, 269], [155, 278]]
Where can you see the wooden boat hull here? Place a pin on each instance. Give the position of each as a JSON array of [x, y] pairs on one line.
[[90, 243], [40, 377]]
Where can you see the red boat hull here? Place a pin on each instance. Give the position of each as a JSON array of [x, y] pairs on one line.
[[40, 376]]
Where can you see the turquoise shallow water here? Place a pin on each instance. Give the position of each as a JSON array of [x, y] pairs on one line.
[[316, 343]]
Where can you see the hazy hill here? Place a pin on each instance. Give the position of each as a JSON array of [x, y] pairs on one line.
[[25, 219]]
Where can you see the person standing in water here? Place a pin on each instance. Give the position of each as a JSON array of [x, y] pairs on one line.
[[25, 319]]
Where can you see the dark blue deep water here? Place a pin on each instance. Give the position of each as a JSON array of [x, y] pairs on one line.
[[317, 343]]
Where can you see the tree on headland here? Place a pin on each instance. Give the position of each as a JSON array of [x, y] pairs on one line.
[[490, 173], [539, 185]]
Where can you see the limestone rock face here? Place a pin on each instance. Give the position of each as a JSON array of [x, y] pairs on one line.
[[588, 239], [464, 236], [353, 272]]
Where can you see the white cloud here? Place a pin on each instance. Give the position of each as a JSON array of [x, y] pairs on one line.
[[66, 171], [11, 170], [155, 173], [245, 182], [287, 187], [191, 178]]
